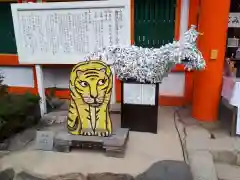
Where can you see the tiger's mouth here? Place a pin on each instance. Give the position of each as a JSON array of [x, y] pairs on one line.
[[93, 102]]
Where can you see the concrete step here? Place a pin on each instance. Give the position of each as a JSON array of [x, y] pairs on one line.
[[227, 171], [224, 150], [202, 165]]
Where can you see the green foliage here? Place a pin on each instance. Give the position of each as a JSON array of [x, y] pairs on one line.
[[16, 111], [17, 105]]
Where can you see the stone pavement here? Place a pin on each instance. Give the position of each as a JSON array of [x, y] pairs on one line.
[[162, 170], [211, 152], [143, 150]]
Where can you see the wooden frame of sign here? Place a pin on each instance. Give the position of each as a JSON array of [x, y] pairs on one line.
[[139, 106]]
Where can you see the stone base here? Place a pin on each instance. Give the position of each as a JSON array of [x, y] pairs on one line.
[[114, 145]]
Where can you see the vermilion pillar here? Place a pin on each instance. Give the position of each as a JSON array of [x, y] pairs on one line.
[[213, 22]]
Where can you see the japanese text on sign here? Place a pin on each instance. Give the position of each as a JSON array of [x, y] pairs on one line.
[[55, 34]]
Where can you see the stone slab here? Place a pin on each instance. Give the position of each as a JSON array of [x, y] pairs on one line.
[[114, 145], [227, 171], [27, 176], [44, 140], [115, 148], [118, 138], [61, 148], [71, 176], [225, 157], [202, 165], [197, 144], [223, 144], [87, 145], [65, 136], [109, 176], [63, 141], [22, 139], [55, 117], [198, 131], [7, 174]]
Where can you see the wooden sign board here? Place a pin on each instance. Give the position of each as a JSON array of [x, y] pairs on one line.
[[64, 33]]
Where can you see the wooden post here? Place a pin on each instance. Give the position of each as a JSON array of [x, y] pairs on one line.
[[41, 89], [184, 17], [213, 22]]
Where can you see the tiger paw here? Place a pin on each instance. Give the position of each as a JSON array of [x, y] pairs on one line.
[[88, 133], [74, 132], [103, 133]]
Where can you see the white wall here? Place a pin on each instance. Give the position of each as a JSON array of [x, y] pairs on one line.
[[18, 76], [173, 85], [56, 77]]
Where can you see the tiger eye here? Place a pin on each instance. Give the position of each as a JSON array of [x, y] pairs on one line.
[[101, 82], [83, 83]]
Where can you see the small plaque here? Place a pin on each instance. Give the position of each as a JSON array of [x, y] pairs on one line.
[[44, 140], [141, 94]]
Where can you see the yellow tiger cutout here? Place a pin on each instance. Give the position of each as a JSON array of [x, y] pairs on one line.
[[90, 90]]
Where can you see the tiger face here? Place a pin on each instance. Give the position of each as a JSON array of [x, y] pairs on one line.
[[92, 85]]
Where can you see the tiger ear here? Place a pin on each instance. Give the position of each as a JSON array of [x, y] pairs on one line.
[[79, 73], [103, 70]]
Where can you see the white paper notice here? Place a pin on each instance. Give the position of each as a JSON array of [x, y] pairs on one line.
[[148, 94], [132, 93], [143, 94]]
